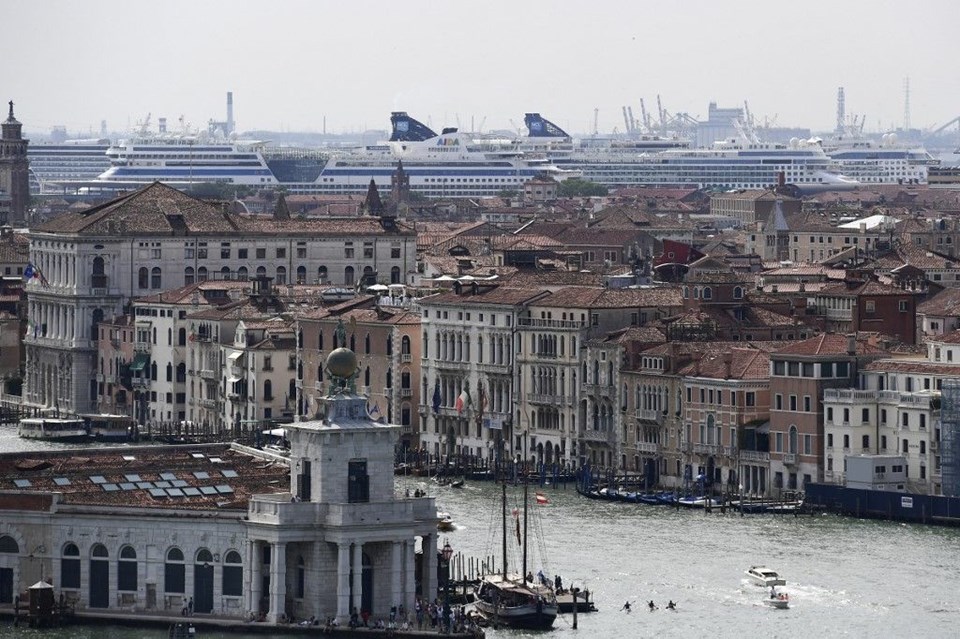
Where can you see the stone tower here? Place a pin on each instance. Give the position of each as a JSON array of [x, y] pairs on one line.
[[14, 176]]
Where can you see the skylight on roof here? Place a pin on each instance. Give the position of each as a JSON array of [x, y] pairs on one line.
[[98, 479], [179, 483], [129, 458], [158, 492], [197, 455], [167, 476], [144, 485], [208, 490], [128, 486], [223, 489], [190, 491], [201, 474], [110, 488], [174, 492], [132, 477], [162, 484], [228, 473], [21, 483], [61, 481], [216, 460]]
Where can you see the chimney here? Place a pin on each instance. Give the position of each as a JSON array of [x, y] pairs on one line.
[[852, 344], [727, 364]]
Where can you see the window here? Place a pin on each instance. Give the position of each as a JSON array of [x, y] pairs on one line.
[[281, 252], [829, 440], [358, 482], [224, 250], [395, 253], [778, 401], [846, 441], [155, 278], [750, 398], [174, 572], [261, 253], [143, 277], [232, 575], [865, 442], [779, 368], [807, 403], [127, 569], [904, 306], [242, 253], [70, 567], [368, 250], [807, 444], [870, 306], [779, 443], [348, 250], [793, 403]]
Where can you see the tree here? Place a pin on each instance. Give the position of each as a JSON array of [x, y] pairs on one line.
[[578, 187]]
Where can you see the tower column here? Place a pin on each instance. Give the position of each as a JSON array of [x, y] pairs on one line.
[[357, 576], [343, 581]]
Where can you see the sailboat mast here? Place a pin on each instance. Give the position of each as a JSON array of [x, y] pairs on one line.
[[526, 485], [504, 507]]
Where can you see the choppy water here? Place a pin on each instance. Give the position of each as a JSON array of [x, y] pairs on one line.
[[845, 577]]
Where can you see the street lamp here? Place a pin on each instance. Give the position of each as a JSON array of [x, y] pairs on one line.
[[446, 553]]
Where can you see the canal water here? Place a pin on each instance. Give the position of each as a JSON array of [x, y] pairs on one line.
[[845, 577]]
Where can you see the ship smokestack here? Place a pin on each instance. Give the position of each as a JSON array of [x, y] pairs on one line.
[[781, 179], [229, 112]]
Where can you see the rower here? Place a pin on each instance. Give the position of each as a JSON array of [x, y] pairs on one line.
[[671, 605], [652, 605], [626, 607]]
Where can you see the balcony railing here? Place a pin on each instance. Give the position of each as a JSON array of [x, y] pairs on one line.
[[405, 358], [141, 347], [850, 395], [707, 449], [207, 403], [595, 435], [207, 373], [489, 367], [649, 415], [545, 398], [454, 366], [406, 392], [651, 448], [532, 322], [789, 459], [754, 456]]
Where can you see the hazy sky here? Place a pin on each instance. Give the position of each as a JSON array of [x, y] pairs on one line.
[[289, 63]]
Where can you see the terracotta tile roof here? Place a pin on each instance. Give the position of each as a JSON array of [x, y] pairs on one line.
[[745, 363], [913, 366], [498, 295], [552, 278], [829, 344], [180, 464], [946, 303], [948, 338]]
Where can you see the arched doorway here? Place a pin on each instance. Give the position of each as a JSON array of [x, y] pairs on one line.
[[99, 577], [203, 582]]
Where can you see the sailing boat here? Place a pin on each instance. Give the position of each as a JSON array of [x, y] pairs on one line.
[[511, 599]]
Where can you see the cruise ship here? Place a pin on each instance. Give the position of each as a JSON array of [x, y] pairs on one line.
[[449, 164], [182, 160], [667, 162], [63, 168], [886, 162]]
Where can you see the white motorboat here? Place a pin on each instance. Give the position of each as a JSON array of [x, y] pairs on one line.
[[780, 600], [54, 429], [765, 577], [446, 522]]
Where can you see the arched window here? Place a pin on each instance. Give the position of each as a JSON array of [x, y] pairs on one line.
[[405, 379], [404, 345], [98, 277], [320, 340], [127, 569], [366, 344], [242, 274], [232, 574], [155, 277], [707, 293], [9, 545], [261, 271], [174, 572], [395, 275], [204, 556], [267, 390], [225, 273], [281, 275], [143, 277], [292, 389], [737, 293], [70, 567], [169, 372], [793, 439], [301, 275], [188, 276], [181, 373], [353, 342], [182, 337], [348, 276], [366, 376], [202, 274], [153, 371], [321, 275]]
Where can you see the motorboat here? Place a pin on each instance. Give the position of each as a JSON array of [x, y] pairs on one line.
[[779, 600], [446, 522], [765, 577], [54, 429]]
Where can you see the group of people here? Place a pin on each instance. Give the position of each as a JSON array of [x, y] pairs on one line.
[[650, 605]]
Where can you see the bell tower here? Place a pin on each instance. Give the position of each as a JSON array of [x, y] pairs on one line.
[[14, 171]]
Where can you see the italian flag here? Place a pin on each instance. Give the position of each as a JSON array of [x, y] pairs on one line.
[[463, 399]]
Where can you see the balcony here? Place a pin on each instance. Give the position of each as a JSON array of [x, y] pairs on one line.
[[207, 373], [707, 449], [140, 382], [406, 392], [754, 456], [207, 403], [532, 322], [934, 447], [650, 448], [406, 358], [839, 314], [595, 435], [597, 389], [452, 366], [554, 400], [790, 459], [850, 395], [648, 415], [489, 367]]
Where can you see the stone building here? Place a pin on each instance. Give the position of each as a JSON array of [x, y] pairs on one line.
[[95, 261], [234, 530], [14, 172]]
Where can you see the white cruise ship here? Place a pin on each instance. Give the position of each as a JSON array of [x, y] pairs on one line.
[[451, 164], [65, 167], [669, 162], [886, 162], [182, 161]]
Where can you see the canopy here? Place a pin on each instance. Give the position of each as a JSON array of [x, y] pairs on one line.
[[276, 432], [233, 380], [377, 287], [233, 357], [139, 362], [444, 278]]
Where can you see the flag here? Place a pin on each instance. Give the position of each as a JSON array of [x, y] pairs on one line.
[[542, 499], [463, 399], [32, 272], [436, 398], [481, 401]]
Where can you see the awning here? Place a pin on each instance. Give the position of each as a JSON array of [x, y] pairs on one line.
[[233, 357], [139, 362], [233, 380]]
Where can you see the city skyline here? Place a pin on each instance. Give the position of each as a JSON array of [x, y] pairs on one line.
[[310, 66]]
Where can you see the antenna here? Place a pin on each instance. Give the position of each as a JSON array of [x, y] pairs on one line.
[[906, 103], [596, 116]]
